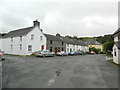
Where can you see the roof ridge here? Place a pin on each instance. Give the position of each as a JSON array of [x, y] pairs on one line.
[[22, 28]]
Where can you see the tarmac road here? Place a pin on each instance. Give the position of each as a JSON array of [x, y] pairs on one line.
[[87, 71]]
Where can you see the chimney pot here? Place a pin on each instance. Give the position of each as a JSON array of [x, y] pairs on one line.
[[36, 23]]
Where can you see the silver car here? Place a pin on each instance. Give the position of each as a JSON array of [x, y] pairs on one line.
[[62, 53], [2, 58], [44, 53]]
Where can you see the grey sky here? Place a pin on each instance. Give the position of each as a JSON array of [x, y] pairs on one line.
[[67, 17]]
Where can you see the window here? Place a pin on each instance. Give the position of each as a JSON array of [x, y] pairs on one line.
[[115, 52], [29, 47], [41, 38], [50, 49], [62, 43], [68, 45], [50, 41], [58, 49], [11, 46], [20, 46], [118, 37], [32, 36], [11, 39], [20, 38], [67, 49], [62, 49]]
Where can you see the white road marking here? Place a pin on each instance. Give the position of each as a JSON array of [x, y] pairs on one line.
[[51, 81], [47, 61]]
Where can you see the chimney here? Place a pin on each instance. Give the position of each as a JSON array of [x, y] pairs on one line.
[[58, 34], [36, 23]]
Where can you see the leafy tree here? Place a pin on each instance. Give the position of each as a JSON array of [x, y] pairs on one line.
[[104, 39], [108, 46], [75, 37], [94, 50]]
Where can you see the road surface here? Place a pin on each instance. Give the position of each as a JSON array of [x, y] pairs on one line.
[[87, 71]]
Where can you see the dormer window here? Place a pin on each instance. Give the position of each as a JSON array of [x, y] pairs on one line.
[[32, 36]]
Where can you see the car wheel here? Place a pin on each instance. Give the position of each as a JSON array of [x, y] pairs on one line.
[[44, 55], [3, 59]]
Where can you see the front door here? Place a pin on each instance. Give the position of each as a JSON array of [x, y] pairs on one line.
[[55, 50], [42, 47]]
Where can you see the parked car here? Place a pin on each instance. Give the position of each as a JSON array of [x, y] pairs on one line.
[[2, 58], [72, 53], [92, 53], [62, 53], [44, 53], [80, 53]]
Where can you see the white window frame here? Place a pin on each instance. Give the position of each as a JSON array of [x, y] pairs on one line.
[[21, 38], [11, 39], [41, 38], [11, 46], [20, 46], [30, 48], [32, 36]]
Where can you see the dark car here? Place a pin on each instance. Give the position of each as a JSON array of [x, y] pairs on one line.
[[72, 53], [2, 58]]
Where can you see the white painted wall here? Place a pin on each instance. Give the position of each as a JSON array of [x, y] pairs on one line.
[[68, 47], [36, 42], [118, 56], [116, 39], [15, 45], [115, 58], [0, 43], [26, 40], [76, 48]]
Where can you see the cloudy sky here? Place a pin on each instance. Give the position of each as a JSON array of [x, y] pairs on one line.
[[67, 17]]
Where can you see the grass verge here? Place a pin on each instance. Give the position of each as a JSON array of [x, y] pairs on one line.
[[111, 61]]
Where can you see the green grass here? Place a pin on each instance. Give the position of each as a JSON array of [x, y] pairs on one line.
[[20, 55], [111, 61], [108, 55]]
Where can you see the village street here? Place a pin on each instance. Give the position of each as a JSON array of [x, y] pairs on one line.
[[87, 71], [0, 74]]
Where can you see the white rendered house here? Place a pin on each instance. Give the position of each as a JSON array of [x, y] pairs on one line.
[[24, 41], [75, 45], [116, 47], [0, 41]]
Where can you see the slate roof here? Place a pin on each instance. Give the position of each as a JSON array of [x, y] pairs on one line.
[[116, 31], [75, 41], [83, 43], [24, 31], [67, 40], [91, 42], [118, 44], [19, 32], [52, 37]]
